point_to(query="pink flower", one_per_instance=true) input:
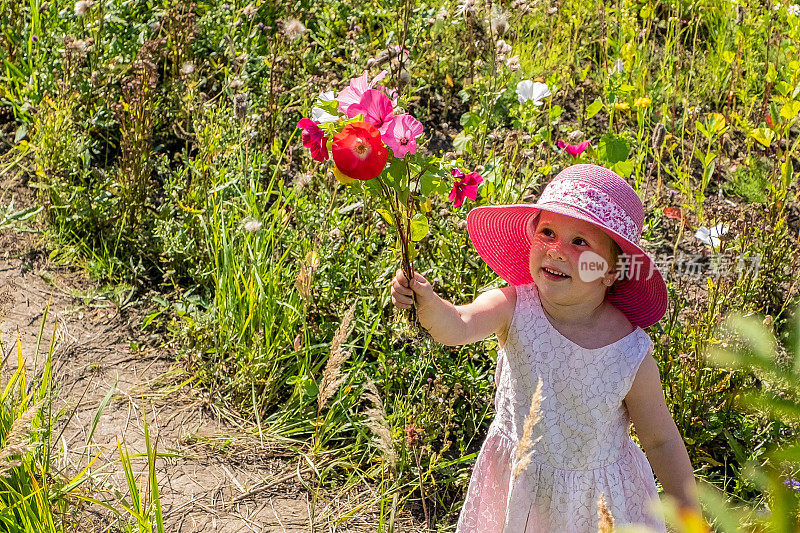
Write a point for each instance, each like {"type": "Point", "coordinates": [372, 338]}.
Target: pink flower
{"type": "Point", "coordinates": [376, 108]}
{"type": "Point", "coordinates": [466, 186]}
{"type": "Point", "coordinates": [314, 139]}
{"type": "Point", "coordinates": [401, 135]}
{"type": "Point", "coordinates": [358, 86]}
{"type": "Point", "coordinates": [572, 149]}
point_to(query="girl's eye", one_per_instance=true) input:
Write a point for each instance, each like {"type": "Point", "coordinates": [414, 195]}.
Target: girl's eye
{"type": "Point", "coordinates": [548, 232]}
{"type": "Point", "coordinates": [580, 242]}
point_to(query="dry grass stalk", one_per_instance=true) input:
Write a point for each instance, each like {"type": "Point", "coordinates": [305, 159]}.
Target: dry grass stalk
{"type": "Point", "coordinates": [606, 522]}
{"type": "Point", "coordinates": [17, 441]}
{"type": "Point", "coordinates": [376, 422]}
{"type": "Point", "coordinates": [332, 375]}
{"type": "Point", "coordinates": [527, 442]}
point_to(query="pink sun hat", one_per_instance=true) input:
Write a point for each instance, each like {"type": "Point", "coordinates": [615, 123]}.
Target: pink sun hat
{"type": "Point", "coordinates": [586, 192]}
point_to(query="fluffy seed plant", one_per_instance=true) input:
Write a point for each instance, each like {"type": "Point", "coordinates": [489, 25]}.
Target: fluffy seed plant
{"type": "Point", "coordinates": [605, 520]}
{"type": "Point", "coordinates": [332, 375]}
{"type": "Point", "coordinates": [525, 448]}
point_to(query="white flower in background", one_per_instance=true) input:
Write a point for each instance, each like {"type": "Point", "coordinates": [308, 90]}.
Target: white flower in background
{"type": "Point", "coordinates": [619, 67]}
{"type": "Point", "coordinates": [794, 9]}
{"type": "Point", "coordinates": [249, 11]}
{"type": "Point", "coordinates": [82, 7]}
{"type": "Point", "coordinates": [513, 63]}
{"type": "Point", "coordinates": [532, 91]}
{"type": "Point", "coordinates": [503, 48]}
{"type": "Point", "coordinates": [251, 225]}
{"type": "Point", "coordinates": [320, 115]}
{"type": "Point", "coordinates": [187, 68]}
{"type": "Point", "coordinates": [710, 237]}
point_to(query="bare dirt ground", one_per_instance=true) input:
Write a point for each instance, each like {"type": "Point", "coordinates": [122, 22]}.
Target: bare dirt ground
{"type": "Point", "coordinates": [219, 479]}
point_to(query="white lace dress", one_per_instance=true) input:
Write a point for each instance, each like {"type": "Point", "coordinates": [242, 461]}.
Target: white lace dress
{"type": "Point", "coordinates": [585, 447]}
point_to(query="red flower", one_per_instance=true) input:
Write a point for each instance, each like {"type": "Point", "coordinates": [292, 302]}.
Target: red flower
{"type": "Point", "coordinates": [466, 186]}
{"type": "Point", "coordinates": [574, 149]}
{"type": "Point", "coordinates": [314, 139]}
{"type": "Point", "coordinates": [358, 151]}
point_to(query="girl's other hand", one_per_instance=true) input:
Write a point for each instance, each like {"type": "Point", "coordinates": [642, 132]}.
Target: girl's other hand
{"type": "Point", "coordinates": [403, 292]}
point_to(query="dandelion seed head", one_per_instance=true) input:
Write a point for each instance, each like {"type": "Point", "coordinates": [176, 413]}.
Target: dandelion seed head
{"type": "Point", "coordinates": [293, 29]}
{"type": "Point", "coordinates": [252, 225]}
{"type": "Point", "coordinates": [187, 68]}
{"type": "Point", "coordinates": [250, 11]}
{"type": "Point", "coordinates": [499, 23]}
{"type": "Point", "coordinates": [82, 6]}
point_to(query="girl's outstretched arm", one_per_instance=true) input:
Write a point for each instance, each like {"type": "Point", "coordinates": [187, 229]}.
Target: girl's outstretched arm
{"type": "Point", "coordinates": [454, 325]}
{"type": "Point", "coordinates": [659, 435]}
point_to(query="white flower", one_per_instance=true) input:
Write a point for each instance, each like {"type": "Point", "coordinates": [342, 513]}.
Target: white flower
{"type": "Point", "coordinates": [794, 9]}
{"type": "Point", "coordinates": [320, 115]}
{"type": "Point", "coordinates": [710, 237]}
{"type": "Point", "coordinates": [513, 63]}
{"type": "Point", "coordinates": [532, 91]}
{"type": "Point", "coordinates": [619, 67]}
{"type": "Point", "coordinates": [252, 225]}
{"type": "Point", "coordinates": [187, 68]}
{"type": "Point", "coordinates": [327, 96]}
{"type": "Point", "coordinates": [249, 11]}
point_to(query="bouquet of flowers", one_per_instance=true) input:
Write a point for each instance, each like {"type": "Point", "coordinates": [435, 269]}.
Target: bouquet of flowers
{"type": "Point", "coordinates": [374, 145]}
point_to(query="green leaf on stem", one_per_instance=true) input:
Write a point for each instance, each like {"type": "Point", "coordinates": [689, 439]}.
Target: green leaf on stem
{"type": "Point", "coordinates": [764, 136]}
{"type": "Point", "coordinates": [463, 143]}
{"type": "Point", "coordinates": [623, 168]}
{"type": "Point", "coordinates": [419, 227]}
{"type": "Point", "coordinates": [432, 183]}
{"type": "Point", "coordinates": [387, 217]}
{"type": "Point", "coordinates": [787, 172]}
{"type": "Point", "coordinates": [593, 108]}
{"type": "Point", "coordinates": [613, 149]}
{"type": "Point", "coordinates": [790, 110]}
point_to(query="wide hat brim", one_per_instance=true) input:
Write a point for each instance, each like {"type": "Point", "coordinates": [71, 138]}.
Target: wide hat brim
{"type": "Point", "coordinates": [500, 236]}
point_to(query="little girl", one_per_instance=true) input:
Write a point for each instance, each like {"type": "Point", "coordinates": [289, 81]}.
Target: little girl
{"type": "Point", "coordinates": [571, 318]}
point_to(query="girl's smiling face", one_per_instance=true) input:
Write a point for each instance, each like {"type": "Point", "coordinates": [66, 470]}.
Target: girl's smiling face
{"type": "Point", "coordinates": [557, 242]}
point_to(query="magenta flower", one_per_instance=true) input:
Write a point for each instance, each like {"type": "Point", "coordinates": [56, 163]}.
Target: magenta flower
{"type": "Point", "coordinates": [314, 139]}
{"type": "Point", "coordinates": [358, 86]}
{"type": "Point", "coordinates": [466, 186]}
{"type": "Point", "coordinates": [376, 108]}
{"type": "Point", "coordinates": [401, 135]}
{"type": "Point", "coordinates": [573, 149]}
